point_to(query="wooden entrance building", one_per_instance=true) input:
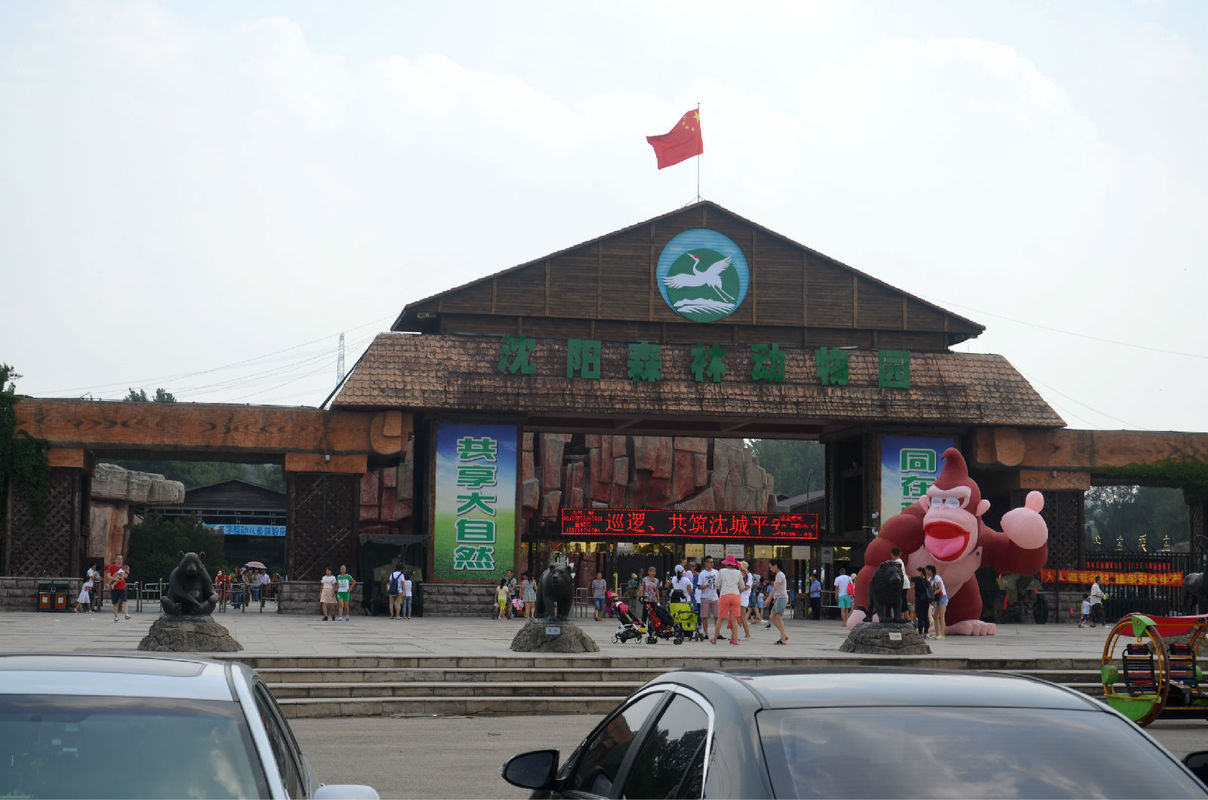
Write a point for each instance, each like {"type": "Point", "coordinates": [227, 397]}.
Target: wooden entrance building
{"type": "Point", "coordinates": [694, 325]}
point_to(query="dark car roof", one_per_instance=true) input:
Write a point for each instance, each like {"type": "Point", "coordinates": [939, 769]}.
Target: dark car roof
{"type": "Point", "coordinates": [848, 687]}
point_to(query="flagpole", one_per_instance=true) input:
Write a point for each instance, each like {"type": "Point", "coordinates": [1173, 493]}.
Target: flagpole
{"type": "Point", "coordinates": [698, 158]}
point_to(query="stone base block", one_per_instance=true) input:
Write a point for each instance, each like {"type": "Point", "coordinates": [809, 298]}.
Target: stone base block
{"type": "Point", "coordinates": [886, 639]}
{"type": "Point", "coordinates": [548, 636]}
{"type": "Point", "coordinates": [188, 635]}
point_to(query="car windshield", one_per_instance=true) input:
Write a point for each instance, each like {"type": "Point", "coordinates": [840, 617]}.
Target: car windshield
{"type": "Point", "coordinates": [118, 747]}
{"type": "Point", "coordinates": [885, 752]}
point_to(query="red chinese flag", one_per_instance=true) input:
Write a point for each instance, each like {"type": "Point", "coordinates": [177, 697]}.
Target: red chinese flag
{"type": "Point", "coordinates": [681, 143]}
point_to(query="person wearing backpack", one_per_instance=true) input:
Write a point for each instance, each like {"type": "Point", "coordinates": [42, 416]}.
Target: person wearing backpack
{"type": "Point", "coordinates": [394, 587]}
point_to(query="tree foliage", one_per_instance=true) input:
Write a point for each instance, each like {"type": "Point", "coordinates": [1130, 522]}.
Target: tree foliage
{"type": "Point", "coordinates": [23, 458]}
{"type": "Point", "coordinates": [1123, 514]}
{"type": "Point", "coordinates": [797, 466]}
{"type": "Point", "coordinates": [140, 396]}
{"type": "Point", "coordinates": [156, 544]}
{"type": "Point", "coordinates": [205, 473]}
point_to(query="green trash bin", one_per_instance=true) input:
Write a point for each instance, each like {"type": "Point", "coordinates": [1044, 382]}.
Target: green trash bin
{"type": "Point", "coordinates": [46, 597]}
{"type": "Point", "coordinates": [60, 595]}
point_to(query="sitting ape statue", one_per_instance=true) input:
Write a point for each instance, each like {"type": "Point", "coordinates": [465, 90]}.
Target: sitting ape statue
{"type": "Point", "coordinates": [555, 592]}
{"type": "Point", "coordinates": [190, 590]}
{"type": "Point", "coordinates": [885, 592]}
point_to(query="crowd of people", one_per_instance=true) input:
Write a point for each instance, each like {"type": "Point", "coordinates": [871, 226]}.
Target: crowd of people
{"type": "Point", "coordinates": [245, 586]}
{"type": "Point", "coordinates": [725, 594]}
{"type": "Point", "coordinates": [92, 592]}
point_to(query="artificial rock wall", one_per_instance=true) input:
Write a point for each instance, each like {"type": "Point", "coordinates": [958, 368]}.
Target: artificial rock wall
{"type": "Point", "coordinates": [114, 493]}
{"type": "Point", "coordinates": [560, 470]}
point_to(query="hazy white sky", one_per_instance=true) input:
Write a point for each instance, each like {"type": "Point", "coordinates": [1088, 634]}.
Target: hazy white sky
{"type": "Point", "coordinates": [201, 196]}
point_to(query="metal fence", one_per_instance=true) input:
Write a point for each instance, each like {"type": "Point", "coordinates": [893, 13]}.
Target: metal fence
{"type": "Point", "coordinates": [1121, 599]}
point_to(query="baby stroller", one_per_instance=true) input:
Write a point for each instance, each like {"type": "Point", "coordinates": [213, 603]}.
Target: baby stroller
{"type": "Point", "coordinates": [683, 616]}
{"type": "Point", "coordinates": [628, 627]}
{"type": "Point", "coordinates": [660, 625]}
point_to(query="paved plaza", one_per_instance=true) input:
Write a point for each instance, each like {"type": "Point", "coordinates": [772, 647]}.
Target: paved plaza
{"type": "Point", "coordinates": [270, 634]}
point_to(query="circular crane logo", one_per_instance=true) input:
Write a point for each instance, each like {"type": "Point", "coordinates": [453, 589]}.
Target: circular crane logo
{"type": "Point", "coordinates": [702, 275]}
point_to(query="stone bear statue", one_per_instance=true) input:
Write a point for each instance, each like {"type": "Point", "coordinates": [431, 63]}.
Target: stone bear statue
{"type": "Point", "coordinates": [885, 592]}
{"type": "Point", "coordinates": [190, 590]}
{"type": "Point", "coordinates": [555, 592]}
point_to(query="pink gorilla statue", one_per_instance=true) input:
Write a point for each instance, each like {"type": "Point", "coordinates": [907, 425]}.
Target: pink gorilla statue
{"type": "Point", "coordinates": [945, 528]}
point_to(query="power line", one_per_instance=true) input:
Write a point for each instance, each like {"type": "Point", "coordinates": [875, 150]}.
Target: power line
{"type": "Point", "coordinates": [166, 380]}
{"type": "Point", "coordinates": [1125, 423]}
{"type": "Point", "coordinates": [1088, 336]}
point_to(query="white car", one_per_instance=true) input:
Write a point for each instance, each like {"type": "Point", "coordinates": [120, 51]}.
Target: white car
{"type": "Point", "coordinates": [115, 726]}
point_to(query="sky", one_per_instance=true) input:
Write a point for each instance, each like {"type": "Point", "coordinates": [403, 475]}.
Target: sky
{"type": "Point", "coordinates": [202, 197]}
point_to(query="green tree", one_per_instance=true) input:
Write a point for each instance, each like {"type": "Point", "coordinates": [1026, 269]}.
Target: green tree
{"type": "Point", "coordinates": [8, 379]}
{"type": "Point", "coordinates": [797, 466]}
{"type": "Point", "coordinates": [140, 396]}
{"type": "Point", "coordinates": [156, 544]}
{"type": "Point", "coordinates": [204, 473]}
{"type": "Point", "coordinates": [1130, 512]}
{"type": "Point", "coordinates": [23, 458]}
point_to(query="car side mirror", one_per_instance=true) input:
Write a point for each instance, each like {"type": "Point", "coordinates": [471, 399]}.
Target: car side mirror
{"type": "Point", "coordinates": [533, 770]}
{"type": "Point", "coordinates": [1197, 762]}
{"type": "Point", "coordinates": [345, 791]}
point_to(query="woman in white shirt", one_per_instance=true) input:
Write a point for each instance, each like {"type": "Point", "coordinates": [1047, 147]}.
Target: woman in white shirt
{"type": "Point", "coordinates": [744, 598]}
{"type": "Point", "coordinates": [729, 589]}
{"type": "Point", "coordinates": [327, 595]}
{"type": "Point", "coordinates": [941, 600]}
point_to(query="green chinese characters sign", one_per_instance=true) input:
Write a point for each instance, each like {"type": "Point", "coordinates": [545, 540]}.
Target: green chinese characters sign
{"type": "Point", "coordinates": [474, 534]}
{"type": "Point", "coordinates": [711, 362]}
{"type": "Point", "coordinates": [909, 464]}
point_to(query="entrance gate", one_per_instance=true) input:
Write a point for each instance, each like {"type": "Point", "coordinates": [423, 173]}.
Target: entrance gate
{"type": "Point", "coordinates": [697, 323]}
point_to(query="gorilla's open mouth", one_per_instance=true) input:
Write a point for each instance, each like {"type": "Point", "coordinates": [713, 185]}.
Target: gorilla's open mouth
{"type": "Point", "coordinates": [945, 540]}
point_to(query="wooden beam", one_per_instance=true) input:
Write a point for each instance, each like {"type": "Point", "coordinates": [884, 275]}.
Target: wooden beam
{"type": "Point", "coordinates": [1054, 480]}
{"type": "Point", "coordinates": [1083, 450]}
{"type": "Point", "coordinates": [76, 457]}
{"type": "Point", "coordinates": [316, 462]}
{"type": "Point", "coordinates": [211, 428]}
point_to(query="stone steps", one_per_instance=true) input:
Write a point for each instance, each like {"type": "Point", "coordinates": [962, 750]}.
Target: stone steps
{"type": "Point", "coordinates": [501, 705]}
{"type": "Point", "coordinates": [289, 677]}
{"type": "Point", "coordinates": [420, 689]}
{"type": "Point", "coordinates": [652, 658]}
{"type": "Point", "coordinates": [334, 686]}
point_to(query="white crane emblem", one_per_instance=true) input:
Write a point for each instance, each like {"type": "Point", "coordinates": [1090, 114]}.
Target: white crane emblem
{"type": "Point", "coordinates": [709, 276]}
{"type": "Point", "coordinates": [702, 275]}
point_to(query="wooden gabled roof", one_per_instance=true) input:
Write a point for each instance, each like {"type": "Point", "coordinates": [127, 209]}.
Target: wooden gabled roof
{"type": "Point", "coordinates": [460, 374]}
{"type": "Point", "coordinates": [606, 289]}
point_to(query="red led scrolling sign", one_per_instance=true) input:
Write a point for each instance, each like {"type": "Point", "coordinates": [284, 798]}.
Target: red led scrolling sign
{"type": "Point", "coordinates": [732, 526]}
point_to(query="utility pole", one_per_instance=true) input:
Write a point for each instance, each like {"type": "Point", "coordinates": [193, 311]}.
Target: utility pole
{"type": "Point", "coordinates": [340, 362]}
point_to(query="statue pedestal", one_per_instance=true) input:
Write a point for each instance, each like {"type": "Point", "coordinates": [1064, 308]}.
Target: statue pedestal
{"type": "Point", "coordinates": [885, 639]}
{"type": "Point", "coordinates": [553, 636]}
{"type": "Point", "coordinates": [189, 635]}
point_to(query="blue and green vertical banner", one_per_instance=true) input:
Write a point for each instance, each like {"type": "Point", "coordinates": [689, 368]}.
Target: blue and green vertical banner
{"type": "Point", "coordinates": [474, 537]}
{"type": "Point", "coordinates": [909, 464]}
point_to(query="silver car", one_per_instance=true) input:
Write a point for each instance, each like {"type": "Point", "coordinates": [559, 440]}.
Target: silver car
{"type": "Point", "coordinates": [113, 726]}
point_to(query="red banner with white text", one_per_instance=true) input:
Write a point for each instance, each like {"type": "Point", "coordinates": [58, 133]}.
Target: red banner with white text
{"type": "Point", "coordinates": [1087, 577]}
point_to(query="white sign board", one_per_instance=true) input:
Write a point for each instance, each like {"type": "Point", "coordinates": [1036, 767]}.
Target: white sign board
{"type": "Point", "coordinates": [715, 550]}
{"type": "Point", "coordinates": [828, 555]}
{"type": "Point", "coordinates": [736, 550]}
{"type": "Point", "coordinates": [801, 552]}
